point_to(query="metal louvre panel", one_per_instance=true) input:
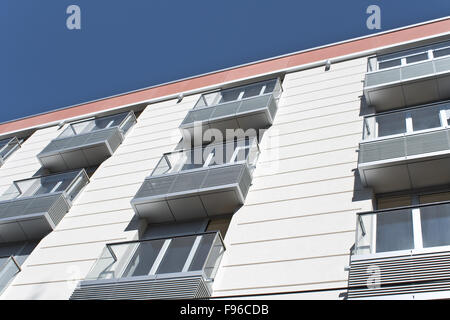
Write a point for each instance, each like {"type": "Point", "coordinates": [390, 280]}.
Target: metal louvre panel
{"type": "Point", "coordinates": [54, 145]}
{"type": "Point", "coordinates": [382, 150]}
{"type": "Point", "coordinates": [231, 109]}
{"type": "Point", "coordinates": [114, 140]}
{"type": "Point", "coordinates": [442, 65]}
{"type": "Point", "coordinates": [188, 181]}
{"type": "Point", "coordinates": [176, 288]}
{"type": "Point", "coordinates": [70, 142]}
{"type": "Point", "coordinates": [27, 206]}
{"type": "Point", "coordinates": [194, 115]}
{"type": "Point", "coordinates": [223, 176]}
{"type": "Point", "coordinates": [155, 186]}
{"type": "Point", "coordinates": [408, 274]}
{"type": "Point", "coordinates": [79, 141]}
{"type": "Point", "coordinates": [417, 70]}
{"type": "Point", "coordinates": [58, 210]}
{"type": "Point", "coordinates": [381, 77]}
{"type": "Point", "coordinates": [427, 142]}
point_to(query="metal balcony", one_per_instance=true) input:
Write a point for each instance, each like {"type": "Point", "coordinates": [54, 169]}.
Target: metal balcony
{"type": "Point", "coordinates": [408, 78]}
{"type": "Point", "coordinates": [200, 182]}
{"type": "Point", "coordinates": [86, 143]}
{"type": "Point", "coordinates": [7, 147]}
{"type": "Point", "coordinates": [406, 149]}
{"type": "Point", "coordinates": [402, 253]}
{"type": "Point", "coordinates": [181, 267]}
{"type": "Point", "coordinates": [31, 208]}
{"type": "Point", "coordinates": [247, 107]}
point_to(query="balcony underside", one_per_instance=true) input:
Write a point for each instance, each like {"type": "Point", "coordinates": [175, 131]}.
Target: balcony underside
{"type": "Point", "coordinates": [408, 85]}
{"type": "Point", "coordinates": [80, 151]}
{"type": "Point", "coordinates": [408, 162]}
{"type": "Point", "coordinates": [256, 113]}
{"type": "Point", "coordinates": [32, 218]}
{"type": "Point", "coordinates": [191, 195]}
{"type": "Point", "coordinates": [406, 174]}
{"type": "Point", "coordinates": [402, 277]}
{"type": "Point", "coordinates": [143, 288]}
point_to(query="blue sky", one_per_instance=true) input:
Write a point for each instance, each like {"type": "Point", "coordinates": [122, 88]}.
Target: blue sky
{"type": "Point", "coordinates": [127, 45]}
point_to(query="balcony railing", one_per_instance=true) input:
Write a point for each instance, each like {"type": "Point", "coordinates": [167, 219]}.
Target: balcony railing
{"type": "Point", "coordinates": [406, 149]}
{"type": "Point", "coordinates": [246, 107]}
{"type": "Point", "coordinates": [181, 267]}
{"type": "Point", "coordinates": [402, 251]}
{"type": "Point", "coordinates": [31, 208]}
{"type": "Point", "coordinates": [410, 77]}
{"type": "Point", "coordinates": [7, 147]}
{"type": "Point", "coordinates": [411, 228]}
{"type": "Point", "coordinates": [9, 267]}
{"type": "Point", "coordinates": [86, 143]}
{"type": "Point", "coordinates": [200, 182]}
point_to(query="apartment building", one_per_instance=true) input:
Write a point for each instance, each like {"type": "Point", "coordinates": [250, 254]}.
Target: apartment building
{"type": "Point", "coordinates": [322, 174]}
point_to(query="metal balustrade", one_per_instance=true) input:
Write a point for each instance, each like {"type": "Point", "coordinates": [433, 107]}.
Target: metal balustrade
{"type": "Point", "coordinates": [86, 143]}
{"type": "Point", "coordinates": [180, 267]}
{"type": "Point", "coordinates": [409, 77]}
{"type": "Point", "coordinates": [406, 149]}
{"type": "Point", "coordinates": [31, 208]}
{"type": "Point", "coordinates": [401, 251]}
{"type": "Point", "coordinates": [246, 107]}
{"type": "Point", "coordinates": [199, 182]}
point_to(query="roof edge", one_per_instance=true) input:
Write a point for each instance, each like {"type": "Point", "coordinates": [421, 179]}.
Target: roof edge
{"type": "Point", "coordinates": [5, 124]}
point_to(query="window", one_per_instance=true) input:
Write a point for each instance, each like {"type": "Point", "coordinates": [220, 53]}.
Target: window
{"type": "Point", "coordinates": [394, 231]}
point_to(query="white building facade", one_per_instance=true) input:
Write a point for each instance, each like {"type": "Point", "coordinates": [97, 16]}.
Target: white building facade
{"type": "Point", "coordinates": [341, 191]}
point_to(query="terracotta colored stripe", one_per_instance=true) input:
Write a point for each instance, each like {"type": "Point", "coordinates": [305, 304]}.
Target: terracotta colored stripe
{"type": "Point", "coordinates": [275, 64]}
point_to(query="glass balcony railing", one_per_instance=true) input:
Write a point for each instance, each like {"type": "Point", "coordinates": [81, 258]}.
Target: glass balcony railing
{"type": "Point", "coordinates": [412, 229]}
{"type": "Point", "coordinates": [409, 77]}
{"type": "Point", "coordinates": [150, 263]}
{"type": "Point", "coordinates": [246, 107]}
{"type": "Point", "coordinates": [7, 147]}
{"type": "Point", "coordinates": [202, 181]}
{"type": "Point", "coordinates": [86, 143]}
{"type": "Point", "coordinates": [45, 198]}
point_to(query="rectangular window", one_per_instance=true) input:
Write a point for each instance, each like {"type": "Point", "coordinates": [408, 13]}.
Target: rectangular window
{"type": "Point", "coordinates": [390, 124]}
{"type": "Point", "coordinates": [442, 52]}
{"type": "Point", "coordinates": [394, 231]}
{"type": "Point", "coordinates": [417, 57]}
{"type": "Point", "coordinates": [389, 64]}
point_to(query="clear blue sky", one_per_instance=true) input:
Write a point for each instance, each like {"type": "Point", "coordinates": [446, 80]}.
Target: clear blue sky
{"type": "Point", "coordinates": [132, 44]}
